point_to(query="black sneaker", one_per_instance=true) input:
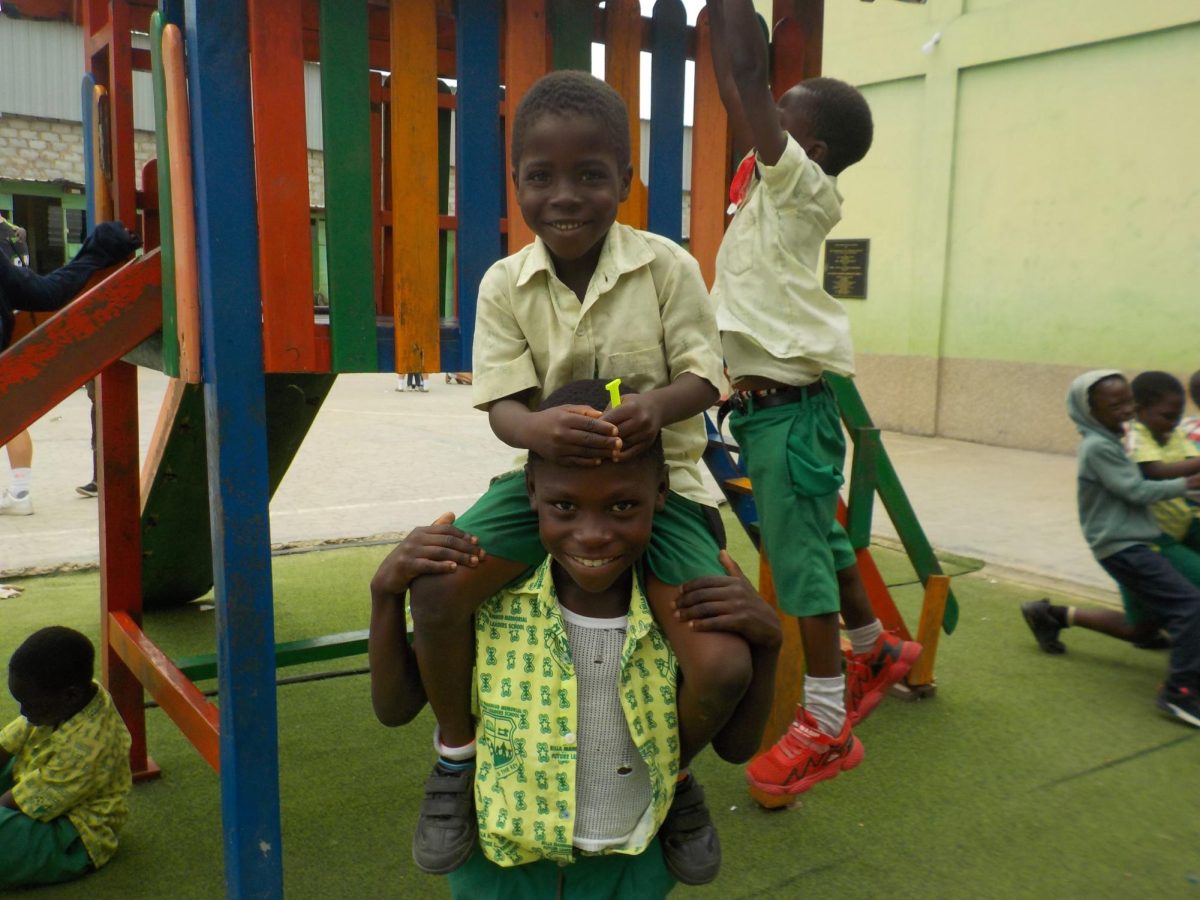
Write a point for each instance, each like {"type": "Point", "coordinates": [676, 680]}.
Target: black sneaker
{"type": "Point", "coordinates": [87, 490]}
{"type": "Point", "coordinates": [1182, 703]}
{"type": "Point", "coordinates": [1044, 625]}
{"type": "Point", "coordinates": [447, 829]}
{"type": "Point", "coordinates": [690, 845]}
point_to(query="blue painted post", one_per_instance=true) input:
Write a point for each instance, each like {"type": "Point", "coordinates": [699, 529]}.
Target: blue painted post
{"type": "Point", "coordinates": [667, 62]}
{"type": "Point", "coordinates": [480, 161]}
{"type": "Point", "coordinates": [231, 342]}
{"type": "Point", "coordinates": [87, 86]}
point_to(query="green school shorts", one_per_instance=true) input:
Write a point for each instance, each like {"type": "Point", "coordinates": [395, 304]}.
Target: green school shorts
{"type": "Point", "coordinates": [794, 454]}
{"type": "Point", "coordinates": [613, 875]}
{"type": "Point", "coordinates": [1183, 555]}
{"type": "Point", "coordinates": [33, 852]}
{"type": "Point", "coordinates": [684, 544]}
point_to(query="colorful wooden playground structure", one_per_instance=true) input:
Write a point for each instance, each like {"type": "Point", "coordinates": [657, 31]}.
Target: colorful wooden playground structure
{"type": "Point", "coordinates": [222, 301]}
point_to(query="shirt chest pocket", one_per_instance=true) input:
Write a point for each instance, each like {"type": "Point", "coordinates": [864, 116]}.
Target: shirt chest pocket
{"type": "Point", "coordinates": [737, 252]}
{"type": "Point", "coordinates": [643, 370]}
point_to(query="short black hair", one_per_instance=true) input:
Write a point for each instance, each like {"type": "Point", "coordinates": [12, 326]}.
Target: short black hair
{"type": "Point", "coordinates": [54, 659]}
{"type": "Point", "coordinates": [593, 392]}
{"type": "Point", "coordinates": [567, 93]}
{"type": "Point", "coordinates": [1150, 387]}
{"type": "Point", "coordinates": [842, 119]}
{"type": "Point", "coordinates": [1091, 391]}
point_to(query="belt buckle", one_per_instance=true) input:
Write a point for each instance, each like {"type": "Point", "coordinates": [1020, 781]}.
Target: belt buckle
{"type": "Point", "coordinates": [739, 400]}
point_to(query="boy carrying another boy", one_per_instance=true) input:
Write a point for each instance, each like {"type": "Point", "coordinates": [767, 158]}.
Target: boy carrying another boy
{"type": "Point", "coordinates": [579, 736]}
{"type": "Point", "coordinates": [1114, 510]}
{"type": "Point", "coordinates": [781, 332]}
{"type": "Point", "coordinates": [64, 764]}
{"type": "Point", "coordinates": [590, 298]}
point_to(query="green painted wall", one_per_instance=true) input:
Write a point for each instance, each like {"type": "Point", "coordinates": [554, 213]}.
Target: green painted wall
{"type": "Point", "coordinates": [1033, 195]}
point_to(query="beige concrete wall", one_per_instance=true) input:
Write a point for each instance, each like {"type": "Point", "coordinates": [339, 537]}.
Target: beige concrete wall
{"type": "Point", "coordinates": [52, 150]}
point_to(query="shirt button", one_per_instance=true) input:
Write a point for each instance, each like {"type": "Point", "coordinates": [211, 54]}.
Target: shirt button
{"type": "Point", "coordinates": [569, 737]}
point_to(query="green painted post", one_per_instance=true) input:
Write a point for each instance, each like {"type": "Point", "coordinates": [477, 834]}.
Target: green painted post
{"type": "Point", "coordinates": [862, 487]}
{"type": "Point", "coordinates": [571, 33]}
{"type": "Point", "coordinates": [345, 109]}
{"type": "Point", "coordinates": [895, 501]}
{"type": "Point", "coordinates": [166, 228]}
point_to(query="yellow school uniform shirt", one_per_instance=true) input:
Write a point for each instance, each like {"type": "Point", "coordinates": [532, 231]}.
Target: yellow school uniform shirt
{"type": "Point", "coordinates": [774, 316]}
{"type": "Point", "coordinates": [1175, 516]}
{"type": "Point", "coordinates": [79, 770]}
{"type": "Point", "coordinates": [646, 319]}
{"type": "Point", "coordinates": [525, 693]}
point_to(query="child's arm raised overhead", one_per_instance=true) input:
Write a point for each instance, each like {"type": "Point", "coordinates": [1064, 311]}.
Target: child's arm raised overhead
{"type": "Point", "coordinates": [397, 694]}
{"type": "Point", "coordinates": [739, 128]}
{"type": "Point", "coordinates": [737, 35]}
{"type": "Point", "coordinates": [730, 603]}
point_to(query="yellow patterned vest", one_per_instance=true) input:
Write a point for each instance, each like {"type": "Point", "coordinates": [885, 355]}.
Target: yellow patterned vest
{"type": "Point", "coordinates": [525, 694]}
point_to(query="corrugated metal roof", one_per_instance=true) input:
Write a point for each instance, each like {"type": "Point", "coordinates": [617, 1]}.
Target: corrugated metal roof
{"type": "Point", "coordinates": [42, 68]}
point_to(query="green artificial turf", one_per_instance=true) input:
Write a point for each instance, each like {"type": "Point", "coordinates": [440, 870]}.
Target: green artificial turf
{"type": "Point", "coordinates": [1027, 776]}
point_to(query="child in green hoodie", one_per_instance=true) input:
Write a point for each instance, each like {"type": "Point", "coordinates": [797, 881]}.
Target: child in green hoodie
{"type": "Point", "coordinates": [1119, 526]}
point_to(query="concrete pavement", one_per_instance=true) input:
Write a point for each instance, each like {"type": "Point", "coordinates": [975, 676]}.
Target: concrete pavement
{"type": "Point", "coordinates": [378, 461]}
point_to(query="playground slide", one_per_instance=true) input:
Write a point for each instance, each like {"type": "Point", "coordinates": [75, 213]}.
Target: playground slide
{"type": "Point", "coordinates": [176, 543]}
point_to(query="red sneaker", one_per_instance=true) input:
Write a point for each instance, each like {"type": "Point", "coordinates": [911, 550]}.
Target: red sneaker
{"type": "Point", "coordinates": [869, 676]}
{"type": "Point", "coordinates": [804, 756]}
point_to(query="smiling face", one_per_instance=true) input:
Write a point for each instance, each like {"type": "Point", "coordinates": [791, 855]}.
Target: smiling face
{"type": "Point", "coordinates": [1111, 402]}
{"type": "Point", "coordinates": [1162, 416]}
{"type": "Point", "coordinates": [569, 185]}
{"type": "Point", "coordinates": [596, 523]}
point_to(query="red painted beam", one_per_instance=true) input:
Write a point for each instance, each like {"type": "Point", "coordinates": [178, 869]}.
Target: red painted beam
{"type": "Point", "coordinates": [80, 340]}
{"type": "Point", "coordinates": [198, 719]}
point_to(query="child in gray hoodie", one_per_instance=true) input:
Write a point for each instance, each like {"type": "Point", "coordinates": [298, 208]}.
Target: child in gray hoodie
{"type": "Point", "coordinates": [1114, 511]}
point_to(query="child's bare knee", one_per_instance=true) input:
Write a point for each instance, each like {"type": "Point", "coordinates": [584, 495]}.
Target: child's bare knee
{"type": "Point", "coordinates": [719, 671]}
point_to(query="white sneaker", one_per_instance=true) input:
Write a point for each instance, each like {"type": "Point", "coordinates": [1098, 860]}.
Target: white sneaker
{"type": "Point", "coordinates": [16, 506]}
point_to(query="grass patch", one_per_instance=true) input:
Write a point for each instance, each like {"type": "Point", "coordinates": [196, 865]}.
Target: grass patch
{"type": "Point", "coordinates": [1028, 775]}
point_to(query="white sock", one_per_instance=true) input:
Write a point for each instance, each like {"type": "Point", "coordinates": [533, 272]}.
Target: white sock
{"type": "Point", "coordinates": [825, 699]}
{"type": "Point", "coordinates": [22, 482]}
{"type": "Point", "coordinates": [862, 640]}
{"type": "Point", "coordinates": [454, 754]}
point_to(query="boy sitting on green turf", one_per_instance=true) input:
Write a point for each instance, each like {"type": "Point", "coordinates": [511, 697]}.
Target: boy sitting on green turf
{"type": "Point", "coordinates": [575, 682]}
{"type": "Point", "coordinates": [64, 764]}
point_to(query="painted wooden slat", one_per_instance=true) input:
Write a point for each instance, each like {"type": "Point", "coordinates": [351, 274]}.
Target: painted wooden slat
{"type": "Point", "coordinates": [120, 540]}
{"type": "Point", "coordinates": [380, 156]}
{"type": "Point", "coordinates": [667, 68]}
{"type": "Point", "coordinates": [445, 282]}
{"type": "Point", "coordinates": [789, 669]}
{"type": "Point", "coordinates": [120, 97]}
{"type": "Point", "coordinates": [170, 339]}
{"type": "Point", "coordinates": [183, 210]}
{"type": "Point", "coordinates": [622, 69]}
{"type": "Point", "coordinates": [571, 33]}
{"type": "Point", "coordinates": [103, 204]}
{"type": "Point", "coordinates": [231, 314]}
{"type": "Point", "coordinates": [524, 64]}
{"type": "Point", "coordinates": [479, 166]}
{"type": "Point", "coordinates": [810, 14]}
{"type": "Point", "coordinates": [88, 120]}
{"type": "Point", "coordinates": [167, 412]}
{"type": "Point", "coordinates": [196, 717]}
{"type": "Point", "coordinates": [415, 278]}
{"type": "Point", "coordinates": [937, 591]}
{"type": "Point", "coordinates": [281, 178]}
{"type": "Point", "coordinates": [862, 487]}
{"type": "Point", "coordinates": [710, 158]}
{"type": "Point", "coordinates": [72, 346]}
{"type": "Point", "coordinates": [877, 590]}
{"type": "Point", "coordinates": [789, 46]}
{"type": "Point", "coordinates": [345, 109]}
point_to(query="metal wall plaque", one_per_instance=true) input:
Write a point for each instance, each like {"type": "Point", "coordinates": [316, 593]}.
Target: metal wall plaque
{"type": "Point", "coordinates": [846, 268]}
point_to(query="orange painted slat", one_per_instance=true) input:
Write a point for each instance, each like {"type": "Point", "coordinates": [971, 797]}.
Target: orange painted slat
{"type": "Point", "coordinates": [525, 63]}
{"type": "Point", "coordinates": [414, 168]}
{"type": "Point", "coordinates": [710, 158]}
{"type": "Point", "coordinates": [787, 59]}
{"type": "Point", "coordinates": [789, 671]}
{"type": "Point", "coordinates": [876, 588]}
{"type": "Point", "coordinates": [188, 708]}
{"type": "Point", "coordinates": [281, 181]}
{"type": "Point", "coordinates": [937, 589]}
{"type": "Point", "coordinates": [162, 431]}
{"type": "Point", "coordinates": [622, 69]}
{"type": "Point", "coordinates": [100, 166]}
{"type": "Point", "coordinates": [183, 218]}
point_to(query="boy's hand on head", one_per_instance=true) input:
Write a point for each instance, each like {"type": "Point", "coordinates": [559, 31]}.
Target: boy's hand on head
{"type": "Point", "coordinates": [638, 421]}
{"type": "Point", "coordinates": [573, 436]}
{"type": "Point", "coordinates": [729, 603]}
{"type": "Point", "coordinates": [429, 550]}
